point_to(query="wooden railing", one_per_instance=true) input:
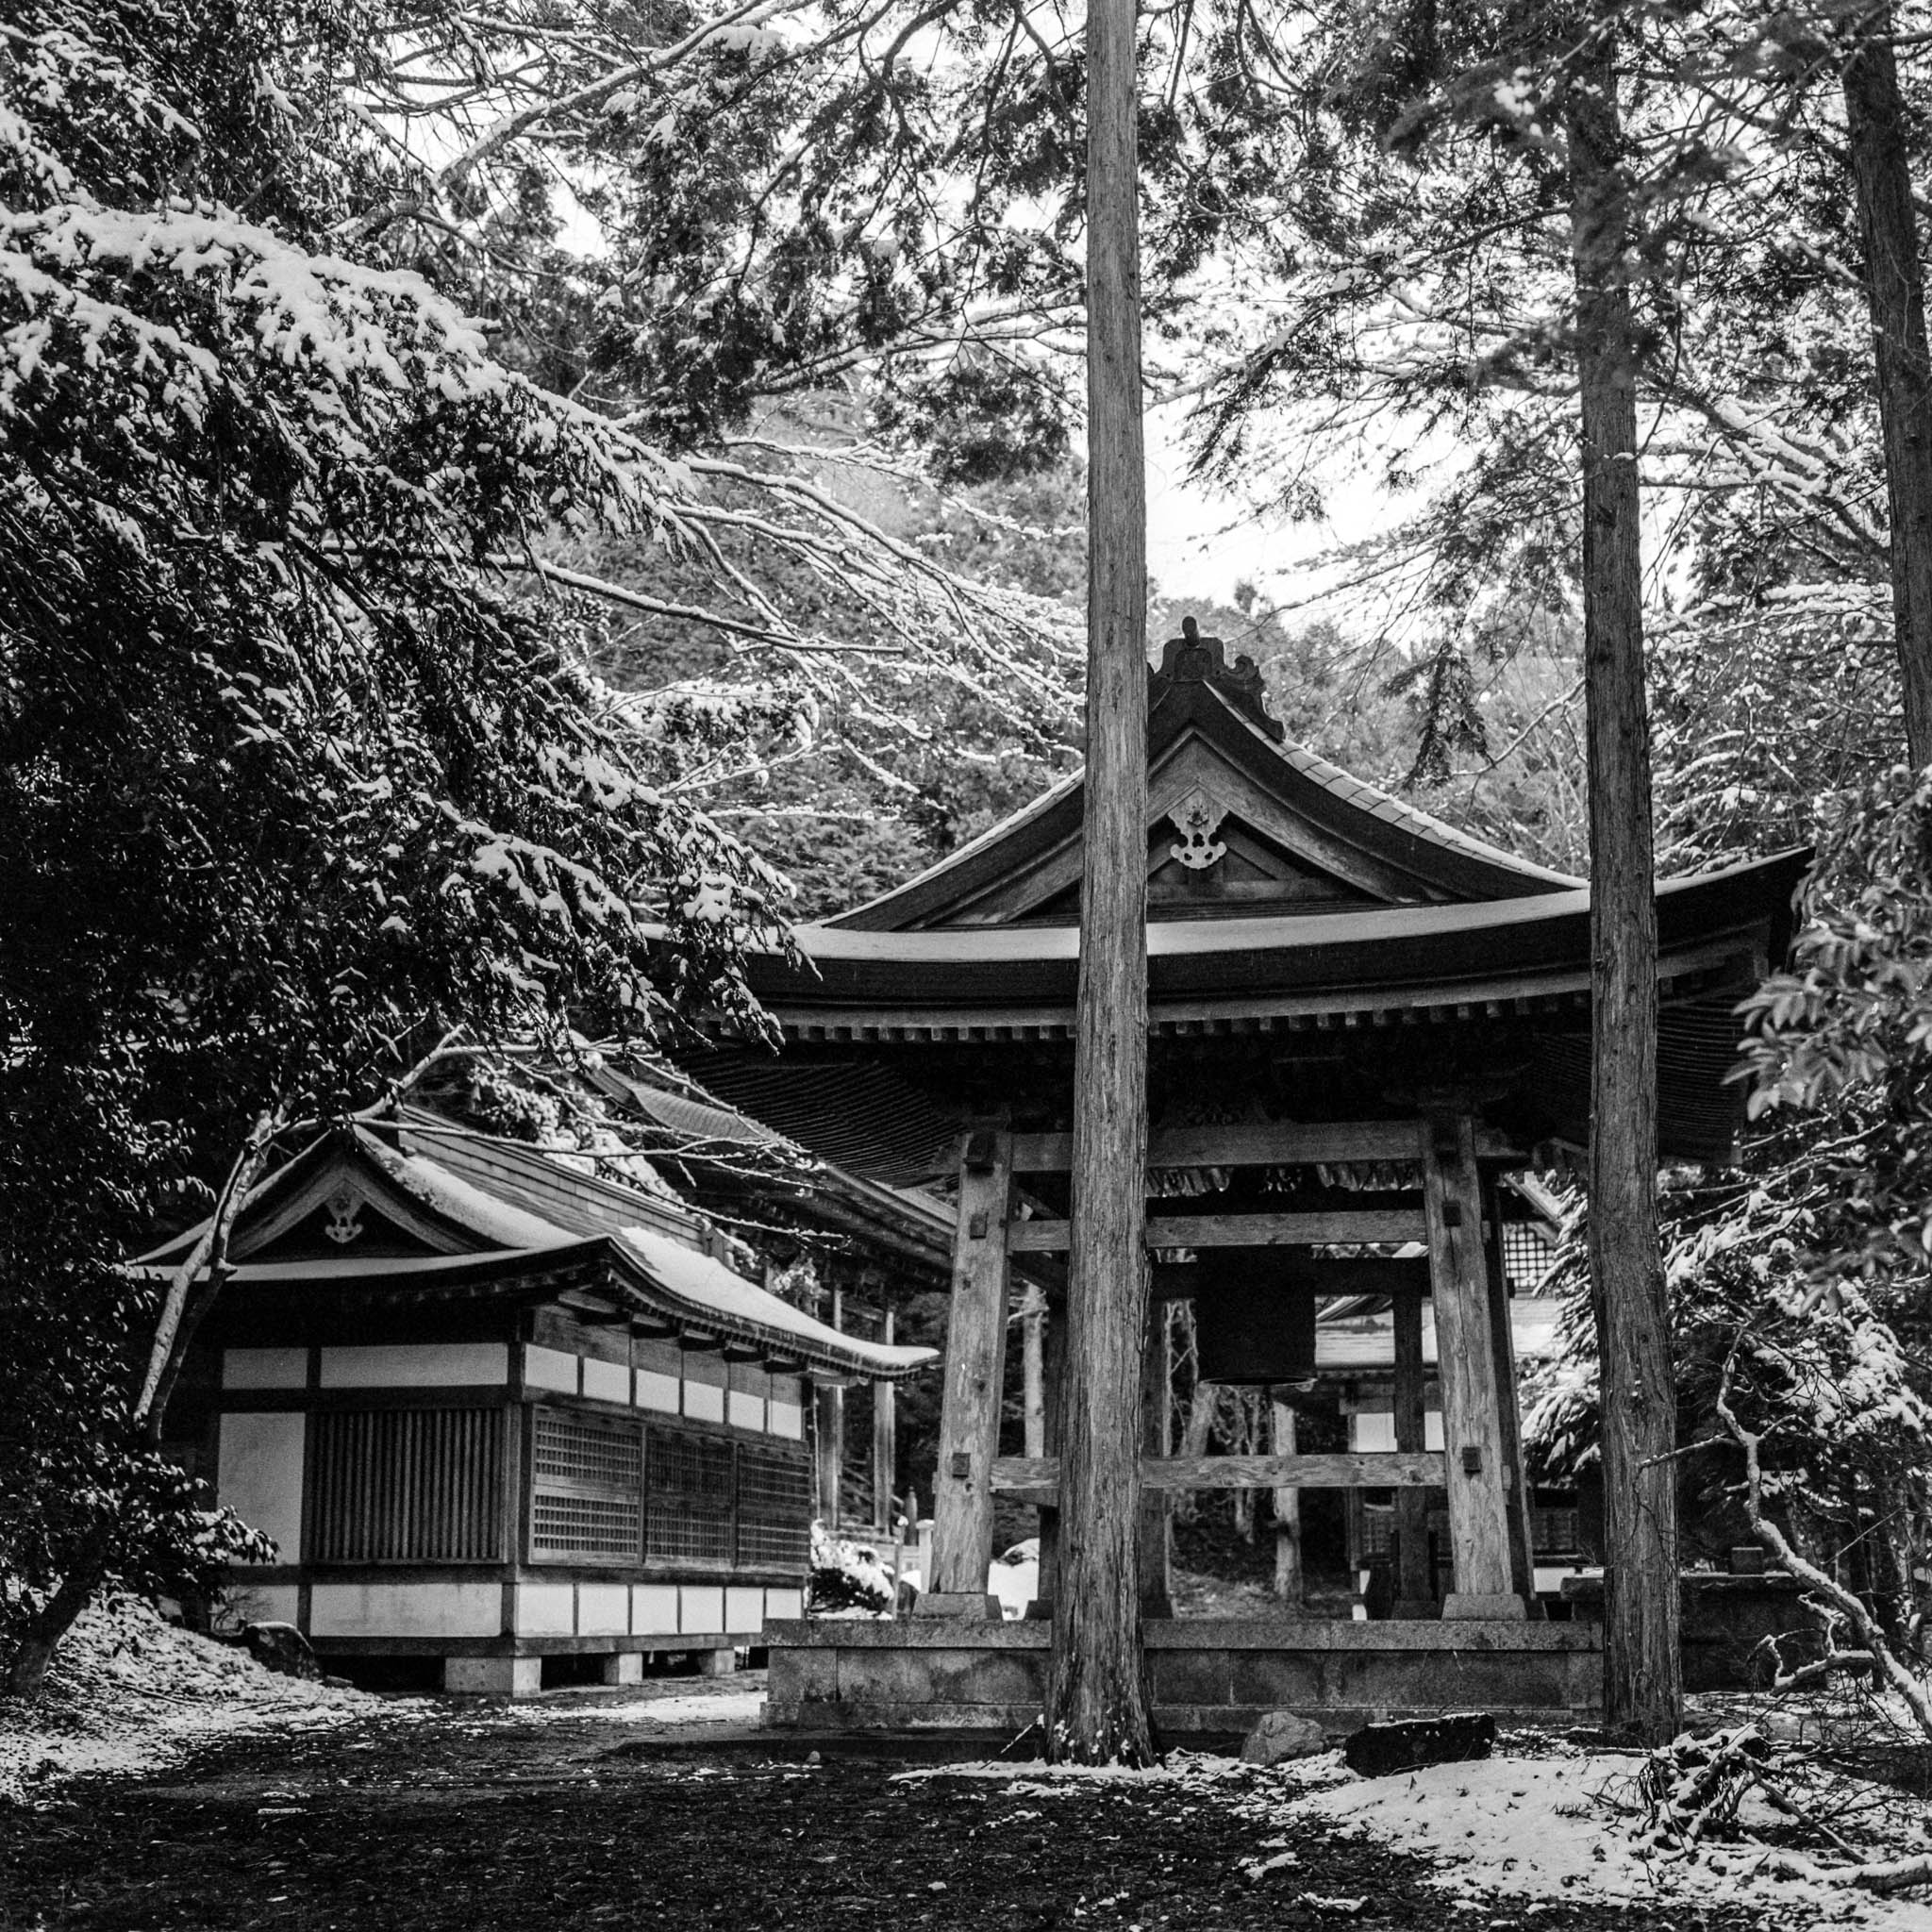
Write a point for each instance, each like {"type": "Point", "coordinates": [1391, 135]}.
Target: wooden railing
{"type": "Point", "coordinates": [1036, 1478]}
{"type": "Point", "coordinates": [1166, 1231]}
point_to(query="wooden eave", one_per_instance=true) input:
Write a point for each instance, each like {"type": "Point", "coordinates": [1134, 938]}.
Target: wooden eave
{"type": "Point", "coordinates": [652, 1274]}
{"type": "Point", "coordinates": [1519, 956]}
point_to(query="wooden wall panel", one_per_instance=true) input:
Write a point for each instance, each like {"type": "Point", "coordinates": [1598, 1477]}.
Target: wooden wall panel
{"type": "Point", "coordinates": [405, 1486]}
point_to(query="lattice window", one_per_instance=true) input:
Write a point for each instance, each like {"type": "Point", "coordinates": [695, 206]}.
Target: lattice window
{"type": "Point", "coordinates": [1379, 1532]}
{"type": "Point", "coordinates": [586, 1489]}
{"type": "Point", "coordinates": [689, 1514]}
{"type": "Point", "coordinates": [774, 1509]}
{"type": "Point", "coordinates": [405, 1486]}
{"type": "Point", "coordinates": [1553, 1530]}
{"type": "Point", "coordinates": [1526, 1254]}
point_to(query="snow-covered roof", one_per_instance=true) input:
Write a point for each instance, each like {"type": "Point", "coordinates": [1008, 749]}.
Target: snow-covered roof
{"type": "Point", "coordinates": [710, 1291]}
{"type": "Point", "coordinates": [516, 1213]}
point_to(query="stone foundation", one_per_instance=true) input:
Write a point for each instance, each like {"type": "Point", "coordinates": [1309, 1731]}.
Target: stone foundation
{"type": "Point", "coordinates": [1212, 1677]}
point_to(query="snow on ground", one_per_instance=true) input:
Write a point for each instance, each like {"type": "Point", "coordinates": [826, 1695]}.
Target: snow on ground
{"type": "Point", "coordinates": [130, 1695]}
{"type": "Point", "coordinates": [1566, 1827]}
{"type": "Point", "coordinates": [736, 1706]}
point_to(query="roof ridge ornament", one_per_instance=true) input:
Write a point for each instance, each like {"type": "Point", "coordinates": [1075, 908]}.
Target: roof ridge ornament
{"type": "Point", "coordinates": [1191, 659]}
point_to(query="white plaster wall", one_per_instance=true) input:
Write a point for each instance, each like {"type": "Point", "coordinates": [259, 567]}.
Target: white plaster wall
{"type": "Point", "coordinates": [745, 1411]}
{"type": "Point", "coordinates": [657, 1390]}
{"type": "Point", "coordinates": [264, 1368]}
{"type": "Point", "coordinates": [745, 1608]}
{"type": "Point", "coordinates": [258, 1475]}
{"type": "Point", "coordinates": [700, 1608]}
{"type": "Point", "coordinates": [416, 1365]}
{"type": "Point", "coordinates": [1371, 1433]}
{"type": "Point", "coordinates": [784, 1603]}
{"type": "Point", "coordinates": [550, 1368]}
{"type": "Point", "coordinates": [406, 1609]}
{"type": "Point", "coordinates": [263, 1602]}
{"type": "Point", "coordinates": [607, 1381]}
{"type": "Point", "coordinates": [654, 1610]}
{"type": "Point", "coordinates": [703, 1401]}
{"type": "Point", "coordinates": [785, 1413]}
{"type": "Point", "coordinates": [546, 1610]}
{"type": "Point", "coordinates": [603, 1609]}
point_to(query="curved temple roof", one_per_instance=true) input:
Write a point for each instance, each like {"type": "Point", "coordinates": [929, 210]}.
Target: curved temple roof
{"type": "Point", "coordinates": [484, 1216]}
{"type": "Point", "coordinates": [1303, 835]}
{"type": "Point", "coordinates": [1284, 896]}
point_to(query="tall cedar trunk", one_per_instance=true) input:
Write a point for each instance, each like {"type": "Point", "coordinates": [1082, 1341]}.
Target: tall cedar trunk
{"type": "Point", "coordinates": [1642, 1680]}
{"type": "Point", "coordinates": [1895, 295]}
{"type": "Point", "coordinates": [1096, 1702]}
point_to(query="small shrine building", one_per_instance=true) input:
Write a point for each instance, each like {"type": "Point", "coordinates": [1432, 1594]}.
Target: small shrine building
{"type": "Point", "coordinates": [505, 1418]}
{"type": "Point", "coordinates": [1359, 1021]}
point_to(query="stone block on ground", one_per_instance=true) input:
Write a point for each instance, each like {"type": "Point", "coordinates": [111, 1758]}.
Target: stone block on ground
{"type": "Point", "coordinates": [1279, 1735]}
{"type": "Point", "coordinates": [282, 1648]}
{"type": "Point", "coordinates": [1376, 1750]}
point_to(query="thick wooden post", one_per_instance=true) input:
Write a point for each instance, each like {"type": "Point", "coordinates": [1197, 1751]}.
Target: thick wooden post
{"type": "Point", "coordinates": [1033, 1370]}
{"type": "Point", "coordinates": [1288, 1519]}
{"type": "Point", "coordinates": [1474, 1464]}
{"type": "Point", "coordinates": [885, 1440]}
{"type": "Point", "coordinates": [1096, 1701]}
{"type": "Point", "coordinates": [970, 1405]}
{"type": "Point", "coordinates": [1415, 1589]}
{"type": "Point", "coordinates": [1503, 1340]}
{"type": "Point", "coordinates": [1052, 1378]}
{"type": "Point", "coordinates": [1157, 1540]}
{"type": "Point", "coordinates": [828, 1420]}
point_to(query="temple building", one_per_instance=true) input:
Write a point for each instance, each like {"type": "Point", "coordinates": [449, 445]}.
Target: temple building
{"type": "Point", "coordinates": [1362, 1021]}
{"type": "Point", "coordinates": [508, 1416]}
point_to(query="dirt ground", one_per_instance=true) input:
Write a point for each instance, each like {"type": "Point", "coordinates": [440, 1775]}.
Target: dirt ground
{"type": "Point", "coordinates": [390, 1817]}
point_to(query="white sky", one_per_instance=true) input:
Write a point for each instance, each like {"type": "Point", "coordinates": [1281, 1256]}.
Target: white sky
{"type": "Point", "coordinates": [1200, 544]}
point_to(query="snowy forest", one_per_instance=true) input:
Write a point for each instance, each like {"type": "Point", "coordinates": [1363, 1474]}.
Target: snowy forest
{"type": "Point", "coordinates": [504, 508]}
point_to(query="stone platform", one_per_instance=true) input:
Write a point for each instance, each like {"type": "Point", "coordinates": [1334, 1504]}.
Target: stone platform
{"type": "Point", "coordinates": [1212, 1677]}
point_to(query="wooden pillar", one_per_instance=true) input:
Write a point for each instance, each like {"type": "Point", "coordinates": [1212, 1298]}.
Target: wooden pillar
{"type": "Point", "coordinates": [1474, 1461]}
{"type": "Point", "coordinates": [1157, 1540]}
{"type": "Point", "coordinates": [1033, 1369]}
{"type": "Point", "coordinates": [1415, 1589]}
{"type": "Point", "coordinates": [885, 1440]}
{"type": "Point", "coordinates": [828, 1419]}
{"type": "Point", "coordinates": [1288, 1518]}
{"type": "Point", "coordinates": [1052, 1369]}
{"type": "Point", "coordinates": [1503, 1340]}
{"type": "Point", "coordinates": [970, 1406]}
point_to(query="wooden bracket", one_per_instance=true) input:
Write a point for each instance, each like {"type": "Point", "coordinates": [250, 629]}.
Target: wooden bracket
{"type": "Point", "coordinates": [982, 1151]}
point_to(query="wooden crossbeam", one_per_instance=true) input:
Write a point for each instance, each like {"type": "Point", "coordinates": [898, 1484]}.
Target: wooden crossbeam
{"type": "Point", "coordinates": [1243, 1231]}
{"type": "Point", "coordinates": [1036, 1478]}
{"type": "Point", "coordinates": [1261, 1144]}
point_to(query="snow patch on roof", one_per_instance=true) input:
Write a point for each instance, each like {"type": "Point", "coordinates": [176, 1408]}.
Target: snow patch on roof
{"type": "Point", "coordinates": [500, 1224]}
{"type": "Point", "coordinates": [701, 1285]}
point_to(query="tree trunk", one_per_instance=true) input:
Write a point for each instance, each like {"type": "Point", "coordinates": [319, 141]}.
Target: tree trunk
{"type": "Point", "coordinates": [1642, 1682]}
{"type": "Point", "coordinates": [186, 1303]}
{"type": "Point", "coordinates": [27, 1671]}
{"type": "Point", "coordinates": [1096, 1702]}
{"type": "Point", "coordinates": [1895, 295]}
